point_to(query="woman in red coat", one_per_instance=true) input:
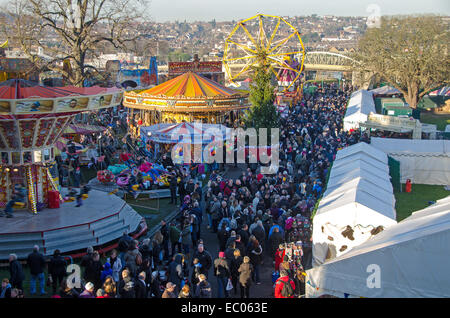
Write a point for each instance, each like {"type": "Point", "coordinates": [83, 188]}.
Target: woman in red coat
{"type": "Point", "coordinates": [279, 256]}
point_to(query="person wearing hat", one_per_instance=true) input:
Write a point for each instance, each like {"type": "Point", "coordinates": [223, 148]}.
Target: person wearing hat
{"type": "Point", "coordinates": [88, 291]}
{"type": "Point", "coordinates": [169, 292]}
{"type": "Point", "coordinates": [222, 272]}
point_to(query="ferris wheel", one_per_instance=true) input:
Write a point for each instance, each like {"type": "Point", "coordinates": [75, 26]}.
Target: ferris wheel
{"type": "Point", "coordinates": [268, 40]}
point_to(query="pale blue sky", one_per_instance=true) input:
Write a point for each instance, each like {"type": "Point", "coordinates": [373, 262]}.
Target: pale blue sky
{"type": "Point", "coordinates": [206, 10]}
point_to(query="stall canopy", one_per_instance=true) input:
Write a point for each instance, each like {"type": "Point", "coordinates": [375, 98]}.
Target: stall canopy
{"type": "Point", "coordinates": [422, 161]}
{"type": "Point", "coordinates": [196, 133]}
{"type": "Point", "coordinates": [444, 91]}
{"type": "Point", "coordinates": [411, 258]}
{"type": "Point", "coordinates": [357, 204]}
{"type": "Point", "coordinates": [359, 106]}
{"type": "Point", "coordinates": [385, 91]}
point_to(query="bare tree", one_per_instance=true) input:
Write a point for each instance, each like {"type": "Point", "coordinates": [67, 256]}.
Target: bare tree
{"type": "Point", "coordinates": [411, 53]}
{"type": "Point", "coordinates": [82, 28]}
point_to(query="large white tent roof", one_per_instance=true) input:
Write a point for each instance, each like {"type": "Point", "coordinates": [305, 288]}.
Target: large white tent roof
{"type": "Point", "coordinates": [421, 161]}
{"type": "Point", "coordinates": [412, 146]}
{"type": "Point", "coordinates": [358, 198]}
{"type": "Point", "coordinates": [385, 90]}
{"type": "Point", "coordinates": [365, 148]}
{"type": "Point", "coordinates": [360, 105]}
{"type": "Point", "coordinates": [412, 258]}
{"type": "Point", "coordinates": [380, 180]}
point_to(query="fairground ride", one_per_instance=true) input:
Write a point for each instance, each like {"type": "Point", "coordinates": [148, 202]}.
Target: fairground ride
{"type": "Point", "coordinates": [265, 40]}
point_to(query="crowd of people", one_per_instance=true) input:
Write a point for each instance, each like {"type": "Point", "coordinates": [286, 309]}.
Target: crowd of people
{"type": "Point", "coordinates": [258, 220]}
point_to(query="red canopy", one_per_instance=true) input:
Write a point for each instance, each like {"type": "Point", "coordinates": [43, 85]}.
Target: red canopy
{"type": "Point", "coordinates": [18, 89]}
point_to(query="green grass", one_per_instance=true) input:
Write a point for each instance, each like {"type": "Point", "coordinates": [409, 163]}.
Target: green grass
{"type": "Point", "coordinates": [417, 199]}
{"type": "Point", "coordinates": [147, 208]}
{"type": "Point", "coordinates": [441, 120]}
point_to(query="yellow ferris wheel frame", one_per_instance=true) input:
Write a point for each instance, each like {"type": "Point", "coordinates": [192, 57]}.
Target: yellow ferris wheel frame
{"type": "Point", "coordinates": [264, 52]}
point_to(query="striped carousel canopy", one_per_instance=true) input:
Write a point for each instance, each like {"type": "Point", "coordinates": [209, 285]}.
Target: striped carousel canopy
{"type": "Point", "coordinates": [190, 85]}
{"type": "Point", "coordinates": [189, 92]}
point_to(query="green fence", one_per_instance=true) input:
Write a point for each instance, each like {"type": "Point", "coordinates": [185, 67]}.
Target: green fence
{"type": "Point", "coordinates": [394, 172]}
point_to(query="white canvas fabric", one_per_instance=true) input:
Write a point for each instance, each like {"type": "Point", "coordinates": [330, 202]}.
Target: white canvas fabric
{"type": "Point", "coordinates": [365, 148]}
{"type": "Point", "coordinates": [411, 256]}
{"type": "Point", "coordinates": [421, 161]}
{"type": "Point", "coordinates": [358, 198]}
{"type": "Point", "coordinates": [385, 90]}
{"type": "Point", "coordinates": [360, 105]}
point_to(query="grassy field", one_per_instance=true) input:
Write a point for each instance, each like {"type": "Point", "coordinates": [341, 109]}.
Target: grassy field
{"type": "Point", "coordinates": [417, 199]}
{"type": "Point", "coordinates": [440, 120]}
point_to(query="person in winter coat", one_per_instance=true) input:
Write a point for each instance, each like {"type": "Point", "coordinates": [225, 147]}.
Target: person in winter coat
{"type": "Point", "coordinates": [86, 261]}
{"type": "Point", "coordinates": [255, 252]}
{"type": "Point", "coordinates": [107, 271]}
{"type": "Point", "coordinates": [127, 288]}
{"type": "Point", "coordinates": [223, 235]}
{"type": "Point", "coordinates": [88, 291]}
{"type": "Point", "coordinates": [57, 269]}
{"type": "Point", "coordinates": [175, 270]}
{"type": "Point", "coordinates": [204, 259]}
{"type": "Point", "coordinates": [116, 265]}
{"type": "Point", "coordinates": [275, 240]}
{"type": "Point", "coordinates": [203, 288]}
{"type": "Point", "coordinates": [94, 270]}
{"type": "Point", "coordinates": [185, 292]}
{"type": "Point", "coordinates": [16, 272]}
{"type": "Point", "coordinates": [36, 263]}
{"type": "Point", "coordinates": [109, 286]}
{"type": "Point", "coordinates": [245, 277]}
{"type": "Point", "coordinates": [5, 290]}
{"type": "Point", "coordinates": [186, 238]}
{"type": "Point", "coordinates": [235, 263]}
{"type": "Point", "coordinates": [132, 257]}
{"type": "Point", "coordinates": [174, 235]}
{"type": "Point", "coordinates": [65, 291]}
{"type": "Point", "coordinates": [279, 284]}
{"type": "Point", "coordinates": [141, 286]}
{"type": "Point", "coordinates": [279, 256]}
{"type": "Point", "coordinates": [222, 272]}
{"type": "Point", "coordinates": [169, 292]}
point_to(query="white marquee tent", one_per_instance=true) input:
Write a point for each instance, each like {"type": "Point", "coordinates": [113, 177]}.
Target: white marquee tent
{"type": "Point", "coordinates": [385, 90]}
{"type": "Point", "coordinates": [358, 200]}
{"type": "Point", "coordinates": [360, 105]}
{"type": "Point", "coordinates": [421, 161]}
{"type": "Point", "coordinates": [409, 259]}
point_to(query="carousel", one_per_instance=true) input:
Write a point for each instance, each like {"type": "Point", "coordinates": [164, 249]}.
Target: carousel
{"type": "Point", "coordinates": [187, 98]}
{"type": "Point", "coordinates": [32, 119]}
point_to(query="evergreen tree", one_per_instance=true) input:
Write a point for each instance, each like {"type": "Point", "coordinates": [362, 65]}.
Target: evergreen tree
{"type": "Point", "coordinates": [262, 113]}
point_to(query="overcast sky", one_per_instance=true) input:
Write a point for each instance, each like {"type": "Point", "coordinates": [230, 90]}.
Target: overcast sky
{"type": "Point", "coordinates": [206, 10]}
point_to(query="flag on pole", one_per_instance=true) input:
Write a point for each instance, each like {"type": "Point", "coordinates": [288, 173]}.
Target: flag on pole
{"type": "Point", "coordinates": [5, 44]}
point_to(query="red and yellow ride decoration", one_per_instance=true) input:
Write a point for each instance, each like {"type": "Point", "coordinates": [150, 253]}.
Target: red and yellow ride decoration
{"type": "Point", "coordinates": [32, 118]}
{"type": "Point", "coordinates": [265, 40]}
{"type": "Point", "coordinates": [188, 97]}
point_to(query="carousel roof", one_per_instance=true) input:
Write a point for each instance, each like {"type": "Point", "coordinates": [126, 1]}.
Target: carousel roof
{"type": "Point", "coordinates": [18, 89]}
{"type": "Point", "coordinates": [190, 85]}
{"type": "Point", "coordinates": [25, 97]}
{"type": "Point", "coordinates": [189, 92]}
